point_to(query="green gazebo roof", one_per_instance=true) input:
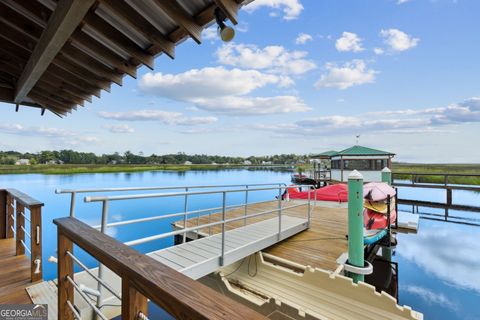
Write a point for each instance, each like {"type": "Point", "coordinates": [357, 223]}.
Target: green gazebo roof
{"type": "Point", "coordinates": [362, 151]}
{"type": "Point", "coordinates": [327, 154]}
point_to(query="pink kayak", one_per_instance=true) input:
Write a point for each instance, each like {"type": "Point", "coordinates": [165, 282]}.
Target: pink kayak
{"type": "Point", "coordinates": [378, 191]}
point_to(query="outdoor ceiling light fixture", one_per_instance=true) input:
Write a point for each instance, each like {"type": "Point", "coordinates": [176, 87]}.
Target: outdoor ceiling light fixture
{"type": "Point", "coordinates": [226, 33]}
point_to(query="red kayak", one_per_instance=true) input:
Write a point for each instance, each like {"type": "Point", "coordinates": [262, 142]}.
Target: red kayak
{"type": "Point", "coordinates": [374, 220]}
{"type": "Point", "coordinates": [334, 192]}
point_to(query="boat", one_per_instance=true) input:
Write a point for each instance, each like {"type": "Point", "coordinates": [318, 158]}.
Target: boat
{"type": "Point", "coordinates": [334, 192]}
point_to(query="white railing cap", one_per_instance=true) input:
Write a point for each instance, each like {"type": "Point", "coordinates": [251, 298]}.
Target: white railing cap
{"type": "Point", "coordinates": [355, 175]}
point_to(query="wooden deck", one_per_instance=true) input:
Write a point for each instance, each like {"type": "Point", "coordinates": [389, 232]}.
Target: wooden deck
{"type": "Point", "coordinates": [319, 246]}
{"type": "Point", "coordinates": [14, 274]}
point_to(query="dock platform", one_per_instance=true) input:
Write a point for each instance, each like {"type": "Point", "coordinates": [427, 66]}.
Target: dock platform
{"type": "Point", "coordinates": [14, 274]}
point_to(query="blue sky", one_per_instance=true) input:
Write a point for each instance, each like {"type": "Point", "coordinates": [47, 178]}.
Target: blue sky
{"type": "Point", "coordinates": [301, 76]}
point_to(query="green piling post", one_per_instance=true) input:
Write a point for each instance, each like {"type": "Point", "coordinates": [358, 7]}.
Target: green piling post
{"type": "Point", "coordinates": [355, 223]}
{"type": "Point", "coordinates": [387, 175]}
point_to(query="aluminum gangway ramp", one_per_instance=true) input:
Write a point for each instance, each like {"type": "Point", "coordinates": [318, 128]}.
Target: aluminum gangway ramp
{"type": "Point", "coordinates": [200, 257]}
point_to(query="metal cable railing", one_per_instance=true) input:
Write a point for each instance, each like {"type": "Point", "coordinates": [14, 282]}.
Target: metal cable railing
{"type": "Point", "coordinates": [16, 217]}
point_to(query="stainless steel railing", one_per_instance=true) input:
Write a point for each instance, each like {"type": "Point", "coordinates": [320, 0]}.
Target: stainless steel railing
{"type": "Point", "coordinates": [74, 192]}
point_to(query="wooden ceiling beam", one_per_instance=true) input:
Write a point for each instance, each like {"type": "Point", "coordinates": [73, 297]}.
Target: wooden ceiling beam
{"type": "Point", "coordinates": [98, 51]}
{"type": "Point", "coordinates": [65, 19]}
{"type": "Point", "coordinates": [109, 32]}
{"type": "Point", "coordinates": [230, 8]}
{"type": "Point", "coordinates": [81, 72]}
{"type": "Point", "coordinates": [80, 40]}
{"type": "Point", "coordinates": [75, 80]}
{"type": "Point", "coordinates": [203, 18]}
{"type": "Point", "coordinates": [136, 21]}
{"type": "Point", "coordinates": [13, 63]}
{"type": "Point", "coordinates": [47, 87]}
{"type": "Point", "coordinates": [14, 72]}
{"type": "Point", "coordinates": [178, 14]}
{"type": "Point", "coordinates": [98, 70]}
{"type": "Point", "coordinates": [20, 55]}
{"type": "Point", "coordinates": [60, 102]}
{"type": "Point", "coordinates": [6, 94]}
{"type": "Point", "coordinates": [48, 104]}
{"type": "Point", "coordinates": [78, 68]}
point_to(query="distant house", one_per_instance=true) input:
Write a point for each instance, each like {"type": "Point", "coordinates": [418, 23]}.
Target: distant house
{"type": "Point", "coordinates": [267, 162]}
{"type": "Point", "coordinates": [22, 162]}
{"type": "Point", "coordinates": [369, 162]}
{"type": "Point", "coordinates": [247, 162]}
{"type": "Point", "coordinates": [187, 163]}
{"type": "Point", "coordinates": [51, 162]}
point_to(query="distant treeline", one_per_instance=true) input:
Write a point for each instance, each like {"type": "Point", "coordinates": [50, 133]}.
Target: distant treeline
{"type": "Point", "coordinates": [75, 157]}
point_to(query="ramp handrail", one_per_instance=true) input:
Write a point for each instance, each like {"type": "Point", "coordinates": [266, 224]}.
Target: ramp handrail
{"type": "Point", "coordinates": [13, 214]}
{"type": "Point", "coordinates": [142, 278]}
{"type": "Point", "coordinates": [74, 192]}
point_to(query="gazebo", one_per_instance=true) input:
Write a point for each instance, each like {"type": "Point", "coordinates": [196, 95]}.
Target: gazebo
{"type": "Point", "coordinates": [369, 162]}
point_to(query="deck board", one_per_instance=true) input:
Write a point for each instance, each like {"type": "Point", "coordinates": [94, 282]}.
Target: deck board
{"type": "Point", "coordinates": [319, 246]}
{"type": "Point", "coordinates": [14, 274]}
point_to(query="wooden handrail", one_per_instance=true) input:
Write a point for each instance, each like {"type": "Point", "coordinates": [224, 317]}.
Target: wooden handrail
{"type": "Point", "coordinates": [24, 199]}
{"type": "Point", "coordinates": [13, 204]}
{"type": "Point", "coordinates": [142, 278]}
{"type": "Point", "coordinates": [436, 174]}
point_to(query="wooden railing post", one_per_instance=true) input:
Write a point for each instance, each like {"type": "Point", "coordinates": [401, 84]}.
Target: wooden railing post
{"type": "Point", "coordinates": [20, 233]}
{"type": "Point", "coordinates": [10, 221]}
{"type": "Point", "coordinates": [133, 302]}
{"type": "Point", "coordinates": [449, 196]}
{"type": "Point", "coordinates": [65, 268]}
{"type": "Point", "coordinates": [3, 214]}
{"type": "Point", "coordinates": [36, 242]}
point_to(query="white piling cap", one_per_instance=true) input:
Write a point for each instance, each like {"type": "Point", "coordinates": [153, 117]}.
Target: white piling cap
{"type": "Point", "coordinates": [355, 175]}
{"type": "Point", "coordinates": [386, 170]}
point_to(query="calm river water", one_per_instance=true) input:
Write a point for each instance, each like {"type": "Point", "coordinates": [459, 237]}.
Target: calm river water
{"type": "Point", "coordinates": [439, 267]}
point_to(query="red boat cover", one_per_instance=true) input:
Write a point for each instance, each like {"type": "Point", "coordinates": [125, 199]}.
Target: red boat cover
{"type": "Point", "coordinates": [334, 192]}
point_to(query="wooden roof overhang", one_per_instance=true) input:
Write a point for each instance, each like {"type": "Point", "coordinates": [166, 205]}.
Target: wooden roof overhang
{"type": "Point", "coordinates": [55, 54]}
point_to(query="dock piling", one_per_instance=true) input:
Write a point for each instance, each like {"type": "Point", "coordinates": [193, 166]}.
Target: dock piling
{"type": "Point", "coordinates": [355, 223]}
{"type": "Point", "coordinates": [387, 175]}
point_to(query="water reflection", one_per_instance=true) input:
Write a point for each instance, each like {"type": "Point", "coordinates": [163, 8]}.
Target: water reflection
{"type": "Point", "coordinates": [439, 270]}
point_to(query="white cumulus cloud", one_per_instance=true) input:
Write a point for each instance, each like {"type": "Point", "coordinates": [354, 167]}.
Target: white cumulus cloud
{"type": "Point", "coordinates": [273, 59]}
{"type": "Point", "coordinates": [291, 8]}
{"type": "Point", "coordinates": [223, 91]}
{"type": "Point", "coordinates": [349, 41]}
{"type": "Point", "coordinates": [165, 117]}
{"type": "Point", "coordinates": [119, 128]}
{"type": "Point", "coordinates": [398, 40]}
{"type": "Point", "coordinates": [206, 83]}
{"type": "Point", "coordinates": [254, 105]}
{"type": "Point", "coordinates": [350, 74]}
{"type": "Point", "coordinates": [303, 38]}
